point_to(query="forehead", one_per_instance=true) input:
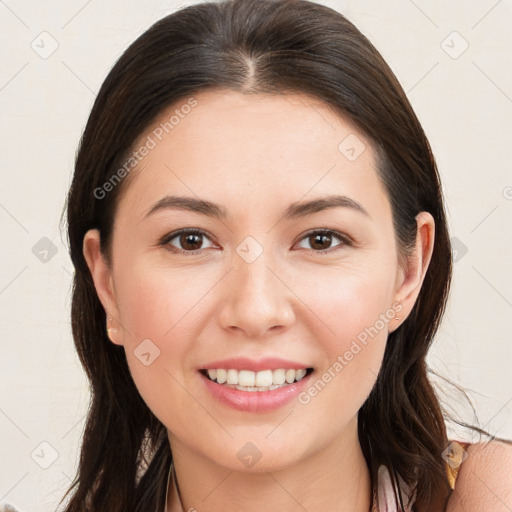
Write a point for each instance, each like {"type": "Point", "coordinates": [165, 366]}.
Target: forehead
{"type": "Point", "coordinates": [231, 143]}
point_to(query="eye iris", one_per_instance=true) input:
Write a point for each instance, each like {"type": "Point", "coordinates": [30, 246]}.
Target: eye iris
{"type": "Point", "coordinates": [320, 238]}
{"type": "Point", "coordinates": [188, 239]}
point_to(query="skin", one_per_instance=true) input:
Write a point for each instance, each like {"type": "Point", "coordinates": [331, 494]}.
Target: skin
{"type": "Point", "coordinates": [255, 155]}
{"type": "Point", "coordinates": [485, 479]}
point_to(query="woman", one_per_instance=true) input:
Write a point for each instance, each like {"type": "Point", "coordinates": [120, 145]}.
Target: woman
{"type": "Point", "coordinates": [262, 261]}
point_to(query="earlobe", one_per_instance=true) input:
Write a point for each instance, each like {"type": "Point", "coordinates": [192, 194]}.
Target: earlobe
{"type": "Point", "coordinates": [411, 276]}
{"type": "Point", "coordinates": [103, 282]}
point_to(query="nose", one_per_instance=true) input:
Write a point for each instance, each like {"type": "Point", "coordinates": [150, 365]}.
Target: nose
{"type": "Point", "coordinates": [256, 298]}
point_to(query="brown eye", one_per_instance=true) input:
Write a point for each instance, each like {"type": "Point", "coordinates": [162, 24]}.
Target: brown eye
{"type": "Point", "coordinates": [186, 241]}
{"type": "Point", "coordinates": [191, 242]}
{"type": "Point", "coordinates": [322, 240]}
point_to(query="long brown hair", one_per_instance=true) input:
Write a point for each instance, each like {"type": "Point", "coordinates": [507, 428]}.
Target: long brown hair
{"type": "Point", "coordinates": [255, 46]}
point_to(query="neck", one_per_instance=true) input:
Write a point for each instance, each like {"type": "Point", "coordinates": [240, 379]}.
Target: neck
{"type": "Point", "coordinates": [335, 478]}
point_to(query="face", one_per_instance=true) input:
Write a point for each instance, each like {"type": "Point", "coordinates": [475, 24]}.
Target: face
{"type": "Point", "coordinates": [295, 267]}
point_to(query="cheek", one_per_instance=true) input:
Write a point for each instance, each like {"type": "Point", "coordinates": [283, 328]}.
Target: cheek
{"type": "Point", "coordinates": [347, 301]}
{"type": "Point", "coordinates": [162, 303]}
{"type": "Point", "coordinates": [162, 313]}
{"type": "Point", "coordinates": [350, 314]}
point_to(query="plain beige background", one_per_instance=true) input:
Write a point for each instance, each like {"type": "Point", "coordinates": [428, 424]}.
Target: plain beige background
{"type": "Point", "coordinates": [453, 60]}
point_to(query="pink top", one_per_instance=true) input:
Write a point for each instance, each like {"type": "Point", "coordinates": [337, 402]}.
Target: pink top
{"type": "Point", "coordinates": [386, 497]}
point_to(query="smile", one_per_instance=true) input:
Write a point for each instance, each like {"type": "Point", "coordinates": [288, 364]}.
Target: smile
{"type": "Point", "coordinates": [247, 380]}
{"type": "Point", "coordinates": [255, 386]}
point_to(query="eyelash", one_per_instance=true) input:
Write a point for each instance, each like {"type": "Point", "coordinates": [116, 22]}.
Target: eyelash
{"type": "Point", "coordinates": [344, 239]}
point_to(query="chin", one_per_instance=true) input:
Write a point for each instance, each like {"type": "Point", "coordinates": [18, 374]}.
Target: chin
{"type": "Point", "coordinates": [259, 454]}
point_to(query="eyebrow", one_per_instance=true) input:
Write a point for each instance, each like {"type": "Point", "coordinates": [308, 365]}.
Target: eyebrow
{"type": "Point", "coordinates": [295, 210]}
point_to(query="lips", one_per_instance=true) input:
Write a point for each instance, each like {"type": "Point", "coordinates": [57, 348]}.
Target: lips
{"type": "Point", "coordinates": [255, 386]}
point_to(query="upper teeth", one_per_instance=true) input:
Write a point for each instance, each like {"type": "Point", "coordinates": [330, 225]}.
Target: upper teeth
{"type": "Point", "coordinates": [248, 378]}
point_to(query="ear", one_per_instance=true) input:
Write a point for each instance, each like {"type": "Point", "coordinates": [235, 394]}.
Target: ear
{"type": "Point", "coordinates": [103, 282]}
{"type": "Point", "coordinates": [412, 272]}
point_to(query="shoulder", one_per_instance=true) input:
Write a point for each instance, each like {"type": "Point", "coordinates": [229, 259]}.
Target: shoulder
{"type": "Point", "coordinates": [485, 479]}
